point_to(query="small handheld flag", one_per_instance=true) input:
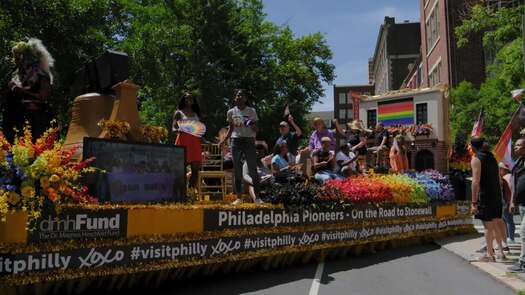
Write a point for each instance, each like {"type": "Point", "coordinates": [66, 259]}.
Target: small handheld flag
{"type": "Point", "coordinates": [286, 111]}
{"type": "Point", "coordinates": [517, 94]}
{"type": "Point", "coordinates": [478, 125]}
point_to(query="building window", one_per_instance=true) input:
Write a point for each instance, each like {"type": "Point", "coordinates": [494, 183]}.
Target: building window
{"type": "Point", "coordinates": [342, 114]}
{"type": "Point", "coordinates": [432, 27]}
{"type": "Point", "coordinates": [434, 77]}
{"type": "Point", "coordinates": [349, 114]}
{"type": "Point", "coordinates": [421, 113]}
{"type": "Point", "coordinates": [371, 118]}
{"type": "Point", "coordinates": [342, 98]}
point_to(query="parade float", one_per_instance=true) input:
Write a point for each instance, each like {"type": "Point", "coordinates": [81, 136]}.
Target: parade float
{"type": "Point", "coordinates": [56, 236]}
{"type": "Point", "coordinates": [422, 114]}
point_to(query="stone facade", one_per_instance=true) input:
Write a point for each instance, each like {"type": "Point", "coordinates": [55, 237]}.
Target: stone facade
{"type": "Point", "coordinates": [438, 150]}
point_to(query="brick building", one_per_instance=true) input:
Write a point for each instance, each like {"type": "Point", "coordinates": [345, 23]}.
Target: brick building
{"type": "Point", "coordinates": [397, 47]}
{"type": "Point", "coordinates": [346, 101]}
{"type": "Point", "coordinates": [442, 62]}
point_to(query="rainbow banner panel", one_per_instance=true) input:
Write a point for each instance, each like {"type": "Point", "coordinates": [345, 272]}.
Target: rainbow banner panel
{"type": "Point", "coordinates": [396, 112]}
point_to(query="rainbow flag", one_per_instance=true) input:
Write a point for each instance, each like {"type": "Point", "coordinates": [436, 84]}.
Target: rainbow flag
{"type": "Point", "coordinates": [503, 150]}
{"type": "Point", "coordinates": [397, 112]}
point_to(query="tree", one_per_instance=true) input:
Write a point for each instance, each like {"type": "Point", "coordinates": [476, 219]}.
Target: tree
{"type": "Point", "coordinates": [502, 41]}
{"type": "Point", "coordinates": [463, 108]}
{"type": "Point", "coordinates": [208, 46]}
{"type": "Point", "coordinates": [215, 46]}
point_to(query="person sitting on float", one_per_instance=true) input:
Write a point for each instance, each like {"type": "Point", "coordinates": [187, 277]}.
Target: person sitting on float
{"type": "Point", "coordinates": [324, 162]}
{"type": "Point", "coordinates": [346, 161]}
{"type": "Point", "coordinates": [305, 154]}
{"type": "Point", "coordinates": [291, 138]}
{"type": "Point", "coordinates": [188, 109]}
{"type": "Point", "coordinates": [28, 90]}
{"type": "Point", "coordinates": [320, 131]}
{"type": "Point", "coordinates": [265, 174]}
{"type": "Point", "coordinates": [398, 155]}
{"type": "Point", "coordinates": [356, 136]}
{"type": "Point", "coordinates": [282, 161]}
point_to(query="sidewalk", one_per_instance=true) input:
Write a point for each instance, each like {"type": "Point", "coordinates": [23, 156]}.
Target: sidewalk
{"type": "Point", "coordinates": [466, 246]}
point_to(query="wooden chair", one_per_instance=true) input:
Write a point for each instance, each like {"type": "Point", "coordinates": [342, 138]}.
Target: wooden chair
{"type": "Point", "coordinates": [211, 170]}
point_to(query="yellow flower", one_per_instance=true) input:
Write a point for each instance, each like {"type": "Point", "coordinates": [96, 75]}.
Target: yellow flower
{"type": "Point", "coordinates": [44, 182]}
{"type": "Point", "coordinates": [54, 162]}
{"type": "Point", "coordinates": [62, 187]}
{"type": "Point", "coordinates": [54, 178]}
{"type": "Point", "coordinates": [28, 191]}
{"type": "Point", "coordinates": [13, 198]}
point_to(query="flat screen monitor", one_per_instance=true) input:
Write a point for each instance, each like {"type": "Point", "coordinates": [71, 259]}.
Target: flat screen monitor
{"type": "Point", "coordinates": [136, 172]}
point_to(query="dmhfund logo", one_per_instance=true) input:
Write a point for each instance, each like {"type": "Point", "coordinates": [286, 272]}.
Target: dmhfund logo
{"type": "Point", "coordinates": [80, 222]}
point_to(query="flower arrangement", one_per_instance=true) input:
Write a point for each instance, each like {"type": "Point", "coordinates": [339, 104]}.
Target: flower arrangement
{"type": "Point", "coordinates": [40, 174]}
{"type": "Point", "coordinates": [154, 134]}
{"type": "Point", "coordinates": [422, 130]}
{"type": "Point", "coordinates": [414, 130]}
{"type": "Point", "coordinates": [414, 187]}
{"type": "Point", "coordinates": [295, 193]}
{"type": "Point", "coordinates": [362, 190]}
{"type": "Point", "coordinates": [404, 189]}
{"type": "Point", "coordinates": [115, 129]}
{"type": "Point", "coordinates": [437, 187]}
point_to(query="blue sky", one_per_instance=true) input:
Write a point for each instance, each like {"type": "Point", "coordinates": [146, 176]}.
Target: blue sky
{"type": "Point", "coordinates": [350, 28]}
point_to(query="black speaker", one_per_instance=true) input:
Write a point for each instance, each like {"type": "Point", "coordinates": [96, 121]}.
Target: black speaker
{"type": "Point", "coordinates": [101, 73]}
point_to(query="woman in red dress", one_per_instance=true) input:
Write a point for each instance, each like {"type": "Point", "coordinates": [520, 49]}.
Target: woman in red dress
{"type": "Point", "coordinates": [188, 109]}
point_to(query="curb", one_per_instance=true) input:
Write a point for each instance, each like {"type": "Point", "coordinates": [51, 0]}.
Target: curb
{"type": "Point", "coordinates": [502, 276]}
{"type": "Point", "coordinates": [507, 278]}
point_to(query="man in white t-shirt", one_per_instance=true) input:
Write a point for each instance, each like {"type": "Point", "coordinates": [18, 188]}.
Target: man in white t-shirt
{"type": "Point", "coordinates": [345, 159]}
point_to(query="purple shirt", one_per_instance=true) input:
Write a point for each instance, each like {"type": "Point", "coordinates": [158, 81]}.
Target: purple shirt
{"type": "Point", "coordinates": [315, 139]}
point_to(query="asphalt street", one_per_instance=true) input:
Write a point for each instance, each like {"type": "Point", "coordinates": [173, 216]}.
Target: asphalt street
{"type": "Point", "coordinates": [424, 269]}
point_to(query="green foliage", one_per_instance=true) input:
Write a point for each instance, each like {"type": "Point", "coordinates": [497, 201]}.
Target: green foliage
{"type": "Point", "coordinates": [208, 46]}
{"type": "Point", "coordinates": [498, 27]}
{"type": "Point", "coordinates": [464, 108]}
{"type": "Point", "coordinates": [214, 47]}
{"type": "Point", "coordinates": [501, 31]}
